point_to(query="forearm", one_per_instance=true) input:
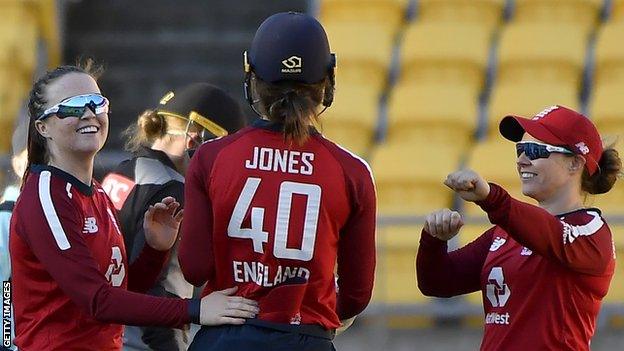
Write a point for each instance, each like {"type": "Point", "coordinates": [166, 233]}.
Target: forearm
{"type": "Point", "coordinates": [443, 274]}
{"type": "Point", "coordinates": [146, 269]}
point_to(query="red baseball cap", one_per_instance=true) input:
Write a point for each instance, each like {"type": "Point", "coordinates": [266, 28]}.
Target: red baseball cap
{"type": "Point", "coordinates": [559, 126]}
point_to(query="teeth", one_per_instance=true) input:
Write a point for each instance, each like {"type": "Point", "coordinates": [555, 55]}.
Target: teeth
{"type": "Point", "coordinates": [527, 175]}
{"type": "Point", "coordinates": [89, 129]}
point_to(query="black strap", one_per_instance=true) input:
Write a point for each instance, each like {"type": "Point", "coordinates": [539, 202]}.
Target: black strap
{"type": "Point", "coordinates": [7, 206]}
{"type": "Point", "coordinates": [304, 329]}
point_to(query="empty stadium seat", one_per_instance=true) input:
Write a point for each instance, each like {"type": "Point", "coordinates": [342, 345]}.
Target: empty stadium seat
{"type": "Point", "coordinates": [351, 121]}
{"type": "Point", "coordinates": [395, 281]}
{"type": "Point", "coordinates": [445, 53]}
{"type": "Point", "coordinates": [440, 113]}
{"type": "Point", "coordinates": [391, 12]}
{"type": "Point", "coordinates": [527, 99]}
{"type": "Point", "coordinates": [541, 52]}
{"type": "Point", "coordinates": [488, 13]}
{"type": "Point", "coordinates": [583, 13]}
{"type": "Point", "coordinates": [606, 109]}
{"type": "Point", "coordinates": [363, 52]}
{"type": "Point", "coordinates": [617, 11]}
{"type": "Point", "coordinates": [609, 66]}
{"type": "Point", "coordinates": [409, 177]}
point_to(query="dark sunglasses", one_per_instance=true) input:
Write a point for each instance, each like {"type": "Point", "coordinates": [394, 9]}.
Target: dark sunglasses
{"type": "Point", "coordinates": [76, 106]}
{"type": "Point", "coordinates": [534, 150]}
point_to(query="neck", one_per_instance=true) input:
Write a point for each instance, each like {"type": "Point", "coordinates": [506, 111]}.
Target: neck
{"type": "Point", "coordinates": [567, 201]}
{"type": "Point", "coordinates": [177, 160]}
{"type": "Point", "coordinates": [81, 168]}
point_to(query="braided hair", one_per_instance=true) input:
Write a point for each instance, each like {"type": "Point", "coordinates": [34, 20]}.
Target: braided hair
{"type": "Point", "coordinates": [36, 145]}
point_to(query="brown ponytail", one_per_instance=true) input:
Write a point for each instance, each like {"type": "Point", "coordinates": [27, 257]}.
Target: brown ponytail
{"type": "Point", "coordinates": [149, 127]}
{"type": "Point", "coordinates": [610, 168]}
{"type": "Point", "coordinates": [295, 105]}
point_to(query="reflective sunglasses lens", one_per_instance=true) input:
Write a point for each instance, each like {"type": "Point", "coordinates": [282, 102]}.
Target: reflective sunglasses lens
{"type": "Point", "coordinates": [532, 151]}
{"type": "Point", "coordinates": [69, 111]}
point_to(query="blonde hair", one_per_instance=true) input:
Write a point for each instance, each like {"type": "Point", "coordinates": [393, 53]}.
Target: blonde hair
{"type": "Point", "coordinates": [150, 126]}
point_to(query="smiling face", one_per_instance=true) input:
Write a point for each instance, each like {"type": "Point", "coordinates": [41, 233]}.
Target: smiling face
{"type": "Point", "coordinates": [82, 136]}
{"type": "Point", "coordinates": [544, 179]}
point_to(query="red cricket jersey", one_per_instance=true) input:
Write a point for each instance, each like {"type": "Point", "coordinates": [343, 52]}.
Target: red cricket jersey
{"type": "Point", "coordinates": [70, 272]}
{"type": "Point", "coordinates": [542, 277]}
{"type": "Point", "coordinates": [263, 214]}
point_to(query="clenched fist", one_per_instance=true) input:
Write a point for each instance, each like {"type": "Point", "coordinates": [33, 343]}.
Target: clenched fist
{"type": "Point", "coordinates": [443, 224]}
{"type": "Point", "coordinates": [468, 185]}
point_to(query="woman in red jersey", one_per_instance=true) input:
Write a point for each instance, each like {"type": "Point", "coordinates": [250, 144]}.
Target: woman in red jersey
{"type": "Point", "coordinates": [70, 271]}
{"type": "Point", "coordinates": [543, 270]}
{"type": "Point", "coordinates": [276, 205]}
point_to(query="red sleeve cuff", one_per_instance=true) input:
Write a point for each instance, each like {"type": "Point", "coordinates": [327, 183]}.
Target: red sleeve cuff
{"type": "Point", "coordinates": [495, 198]}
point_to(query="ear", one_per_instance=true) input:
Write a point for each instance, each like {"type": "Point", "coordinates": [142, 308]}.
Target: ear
{"type": "Point", "coordinates": [576, 163]}
{"type": "Point", "coordinates": [42, 129]}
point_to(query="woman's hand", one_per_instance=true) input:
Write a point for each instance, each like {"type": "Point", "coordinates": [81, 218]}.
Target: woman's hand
{"type": "Point", "coordinates": [443, 224]}
{"type": "Point", "coordinates": [161, 224]}
{"type": "Point", "coordinates": [468, 185]}
{"type": "Point", "coordinates": [220, 307]}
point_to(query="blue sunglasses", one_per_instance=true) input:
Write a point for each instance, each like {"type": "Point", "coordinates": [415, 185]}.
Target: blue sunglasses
{"type": "Point", "coordinates": [534, 150]}
{"type": "Point", "coordinates": [76, 106]}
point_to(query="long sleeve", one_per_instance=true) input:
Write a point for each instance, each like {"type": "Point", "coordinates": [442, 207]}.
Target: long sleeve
{"type": "Point", "coordinates": [584, 245]}
{"type": "Point", "coordinates": [356, 253]}
{"type": "Point", "coordinates": [146, 269]}
{"type": "Point", "coordinates": [444, 274]}
{"type": "Point", "coordinates": [195, 252]}
{"type": "Point", "coordinates": [53, 232]}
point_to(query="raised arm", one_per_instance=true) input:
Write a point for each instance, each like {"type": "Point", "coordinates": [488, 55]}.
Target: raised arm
{"type": "Point", "coordinates": [583, 244]}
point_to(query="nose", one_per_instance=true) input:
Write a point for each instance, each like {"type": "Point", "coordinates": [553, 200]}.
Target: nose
{"type": "Point", "coordinates": [88, 114]}
{"type": "Point", "coordinates": [523, 160]}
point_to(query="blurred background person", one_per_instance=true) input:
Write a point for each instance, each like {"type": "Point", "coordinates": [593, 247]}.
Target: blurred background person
{"type": "Point", "coordinates": [7, 201]}
{"type": "Point", "coordinates": [162, 142]}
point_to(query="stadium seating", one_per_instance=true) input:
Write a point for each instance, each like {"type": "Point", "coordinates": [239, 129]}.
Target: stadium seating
{"type": "Point", "coordinates": [487, 13]}
{"type": "Point", "coordinates": [537, 53]}
{"type": "Point", "coordinates": [445, 53]}
{"type": "Point", "coordinates": [396, 273]}
{"type": "Point", "coordinates": [609, 66]}
{"type": "Point", "coordinates": [439, 113]}
{"type": "Point", "coordinates": [352, 119]}
{"type": "Point", "coordinates": [583, 13]}
{"type": "Point", "coordinates": [527, 99]}
{"type": "Point", "coordinates": [393, 12]}
{"type": "Point", "coordinates": [409, 177]}
{"type": "Point", "coordinates": [617, 11]}
{"type": "Point", "coordinates": [606, 109]}
{"type": "Point", "coordinates": [363, 52]}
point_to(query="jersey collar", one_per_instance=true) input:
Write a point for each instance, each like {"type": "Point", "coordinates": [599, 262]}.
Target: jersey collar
{"type": "Point", "coordinates": [274, 126]}
{"type": "Point", "coordinates": [82, 187]}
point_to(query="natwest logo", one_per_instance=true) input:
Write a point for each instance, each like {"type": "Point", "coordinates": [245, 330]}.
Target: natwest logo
{"type": "Point", "coordinates": [497, 318]}
{"type": "Point", "coordinates": [292, 64]}
{"type": "Point", "coordinates": [497, 291]}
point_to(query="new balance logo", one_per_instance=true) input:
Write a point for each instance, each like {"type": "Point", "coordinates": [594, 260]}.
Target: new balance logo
{"type": "Point", "coordinates": [497, 243]}
{"type": "Point", "coordinates": [90, 226]}
{"type": "Point", "coordinates": [526, 252]}
{"type": "Point", "coordinates": [584, 149]}
{"type": "Point", "coordinates": [292, 64]}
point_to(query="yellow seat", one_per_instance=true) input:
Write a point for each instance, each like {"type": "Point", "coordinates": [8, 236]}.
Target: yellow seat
{"type": "Point", "coordinates": [606, 109]}
{"type": "Point", "coordinates": [503, 172]}
{"type": "Point", "coordinates": [409, 177]}
{"type": "Point", "coordinates": [19, 28]}
{"type": "Point", "coordinates": [351, 121]}
{"type": "Point", "coordinates": [536, 53]}
{"type": "Point", "coordinates": [527, 99]}
{"type": "Point", "coordinates": [395, 281]}
{"type": "Point", "coordinates": [365, 12]}
{"type": "Point", "coordinates": [617, 10]}
{"type": "Point", "coordinates": [363, 52]}
{"type": "Point", "coordinates": [434, 112]}
{"type": "Point", "coordinates": [583, 13]}
{"type": "Point", "coordinates": [609, 67]}
{"type": "Point", "coordinates": [488, 13]}
{"type": "Point", "coordinates": [445, 53]}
